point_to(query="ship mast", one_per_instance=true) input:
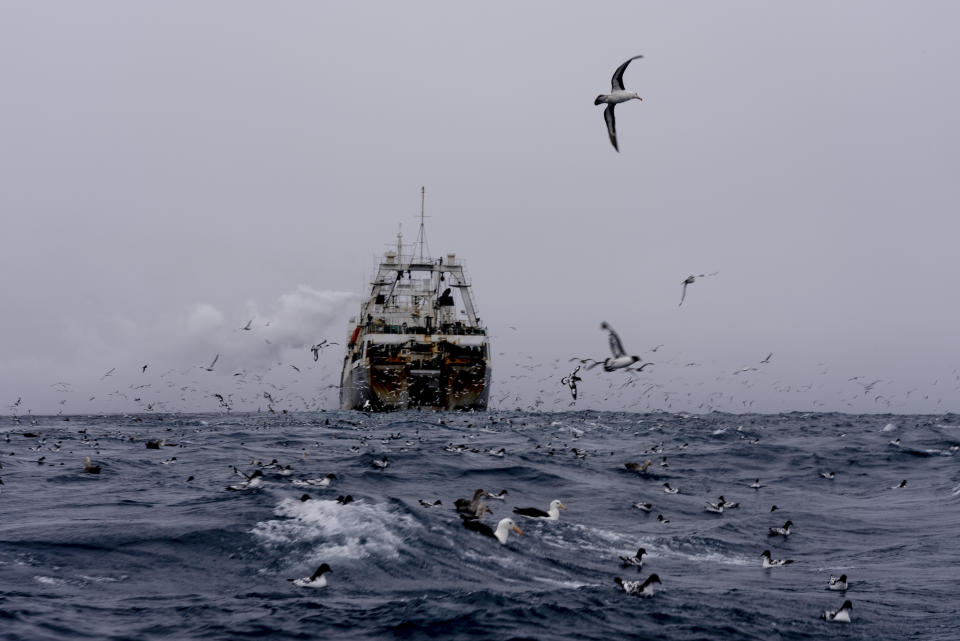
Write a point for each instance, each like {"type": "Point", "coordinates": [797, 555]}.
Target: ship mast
{"type": "Point", "coordinates": [422, 237]}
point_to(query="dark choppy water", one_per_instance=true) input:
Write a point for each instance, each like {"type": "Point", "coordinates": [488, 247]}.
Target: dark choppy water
{"type": "Point", "coordinates": [141, 552]}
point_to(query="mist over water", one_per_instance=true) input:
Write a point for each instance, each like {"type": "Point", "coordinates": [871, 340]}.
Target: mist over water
{"type": "Point", "coordinates": [155, 546]}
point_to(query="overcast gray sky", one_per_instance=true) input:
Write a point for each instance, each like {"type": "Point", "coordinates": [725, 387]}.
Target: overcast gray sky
{"type": "Point", "coordinates": [171, 170]}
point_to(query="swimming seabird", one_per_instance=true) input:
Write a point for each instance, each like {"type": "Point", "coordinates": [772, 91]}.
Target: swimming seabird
{"type": "Point", "coordinates": [716, 508]}
{"type": "Point", "coordinates": [774, 508]}
{"type": "Point", "coordinates": [254, 480]}
{"type": "Point", "coordinates": [837, 583]}
{"type": "Point", "coordinates": [88, 467]}
{"type": "Point", "coordinates": [617, 95]}
{"type": "Point", "coordinates": [636, 560]}
{"type": "Point", "coordinates": [638, 467]}
{"type": "Point", "coordinates": [756, 484]}
{"type": "Point", "coordinates": [901, 484]}
{"type": "Point", "coordinates": [322, 482]}
{"type": "Point", "coordinates": [381, 464]}
{"type": "Point", "coordinates": [343, 500]}
{"type": "Point", "coordinates": [827, 475]}
{"type": "Point", "coordinates": [571, 381]}
{"type": "Point", "coordinates": [471, 508]}
{"type": "Point", "coordinates": [643, 506]}
{"type": "Point", "coordinates": [497, 497]}
{"type": "Point", "coordinates": [500, 533]}
{"type": "Point", "coordinates": [670, 490]}
{"type": "Point", "coordinates": [781, 531]}
{"type": "Point", "coordinates": [552, 513]}
{"type": "Point", "coordinates": [661, 519]}
{"type": "Point", "coordinates": [638, 588]}
{"type": "Point", "coordinates": [727, 504]}
{"type": "Point", "coordinates": [315, 580]}
{"type": "Point", "coordinates": [428, 504]}
{"type": "Point", "coordinates": [774, 563]}
{"type": "Point", "coordinates": [840, 616]}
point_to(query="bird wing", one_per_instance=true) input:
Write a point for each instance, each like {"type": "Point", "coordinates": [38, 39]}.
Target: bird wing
{"type": "Point", "coordinates": [615, 345]}
{"type": "Point", "coordinates": [616, 84]}
{"type": "Point", "coordinates": [611, 125]}
{"type": "Point", "coordinates": [214, 361]}
{"type": "Point", "coordinates": [683, 294]}
{"type": "Point", "coordinates": [530, 511]}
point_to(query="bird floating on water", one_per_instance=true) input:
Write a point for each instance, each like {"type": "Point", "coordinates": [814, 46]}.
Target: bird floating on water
{"type": "Point", "coordinates": [89, 467]}
{"type": "Point", "coordinates": [838, 583]}
{"type": "Point", "coordinates": [840, 616]}
{"type": "Point", "coordinates": [552, 513]}
{"type": "Point", "coordinates": [617, 95]}
{"type": "Point", "coordinates": [636, 560]}
{"type": "Point", "coordinates": [502, 531]}
{"type": "Point", "coordinates": [315, 580]}
{"type": "Point", "coordinates": [638, 588]}
{"type": "Point", "coordinates": [781, 531]}
{"type": "Point", "coordinates": [773, 563]}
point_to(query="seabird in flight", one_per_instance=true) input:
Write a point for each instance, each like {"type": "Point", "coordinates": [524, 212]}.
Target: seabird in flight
{"type": "Point", "coordinates": [617, 95]}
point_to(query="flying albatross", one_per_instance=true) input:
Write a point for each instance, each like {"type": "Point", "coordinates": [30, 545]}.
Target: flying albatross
{"type": "Point", "coordinates": [617, 95]}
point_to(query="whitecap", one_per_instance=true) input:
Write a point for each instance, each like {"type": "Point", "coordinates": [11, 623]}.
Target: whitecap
{"type": "Point", "coordinates": [353, 532]}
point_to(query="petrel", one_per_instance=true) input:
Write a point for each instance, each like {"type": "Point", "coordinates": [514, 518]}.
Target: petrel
{"type": "Point", "coordinates": [617, 95]}
{"type": "Point", "coordinates": [214, 362]}
{"type": "Point", "coordinates": [315, 580]}
{"type": "Point", "coordinates": [840, 616]}
{"type": "Point", "coordinates": [638, 588]}
{"type": "Point", "coordinates": [571, 381]}
{"type": "Point", "coordinates": [686, 281]}
{"type": "Point", "coordinates": [620, 358]}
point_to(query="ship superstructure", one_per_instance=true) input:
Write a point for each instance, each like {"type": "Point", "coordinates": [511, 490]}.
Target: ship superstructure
{"type": "Point", "coordinates": [417, 341]}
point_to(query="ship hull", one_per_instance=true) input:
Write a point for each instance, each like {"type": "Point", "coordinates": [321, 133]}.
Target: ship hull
{"type": "Point", "coordinates": [447, 381]}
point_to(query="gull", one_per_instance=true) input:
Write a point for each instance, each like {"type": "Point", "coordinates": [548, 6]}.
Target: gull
{"type": "Point", "coordinates": [617, 95]}
{"type": "Point", "coordinates": [214, 362]}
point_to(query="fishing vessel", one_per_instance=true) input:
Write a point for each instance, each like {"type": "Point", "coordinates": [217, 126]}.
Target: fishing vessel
{"type": "Point", "coordinates": [417, 342]}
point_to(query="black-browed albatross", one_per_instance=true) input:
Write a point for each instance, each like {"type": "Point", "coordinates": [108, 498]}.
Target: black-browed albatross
{"type": "Point", "coordinates": [617, 95]}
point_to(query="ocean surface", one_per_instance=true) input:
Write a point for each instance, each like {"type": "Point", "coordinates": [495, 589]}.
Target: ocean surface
{"type": "Point", "coordinates": [156, 547]}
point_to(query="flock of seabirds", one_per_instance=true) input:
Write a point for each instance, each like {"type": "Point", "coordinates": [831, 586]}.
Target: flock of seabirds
{"type": "Point", "coordinates": [472, 510]}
